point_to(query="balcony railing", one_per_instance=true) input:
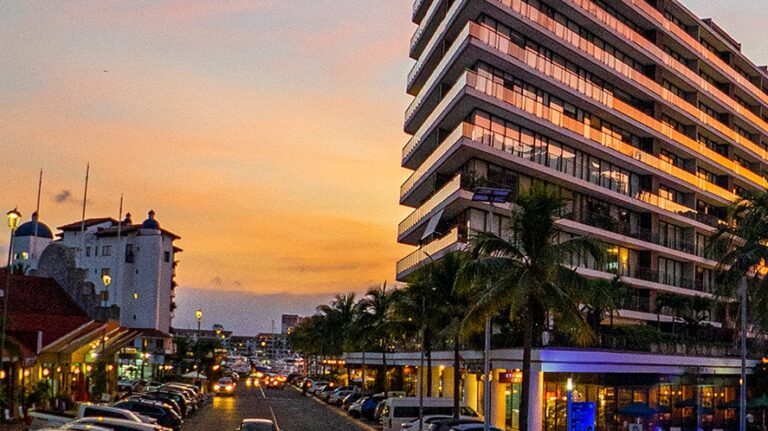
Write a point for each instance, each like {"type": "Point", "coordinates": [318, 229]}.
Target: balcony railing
{"type": "Point", "coordinates": [556, 117]}
{"type": "Point", "coordinates": [421, 212]}
{"type": "Point", "coordinates": [586, 87]}
{"type": "Point", "coordinates": [629, 34]}
{"type": "Point", "coordinates": [418, 137]}
{"type": "Point", "coordinates": [431, 249]}
{"type": "Point", "coordinates": [663, 278]}
{"type": "Point", "coordinates": [464, 130]}
{"type": "Point", "coordinates": [697, 47]}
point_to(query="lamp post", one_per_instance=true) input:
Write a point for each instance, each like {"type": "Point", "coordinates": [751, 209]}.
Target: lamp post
{"type": "Point", "coordinates": [14, 217]}
{"type": "Point", "coordinates": [491, 196]}
{"type": "Point", "coordinates": [569, 406]}
{"type": "Point", "coordinates": [106, 279]}
{"type": "Point", "coordinates": [743, 382]}
{"type": "Point", "coordinates": [199, 318]}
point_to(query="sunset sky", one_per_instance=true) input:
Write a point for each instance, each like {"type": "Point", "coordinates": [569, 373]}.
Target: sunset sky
{"type": "Point", "coordinates": [267, 133]}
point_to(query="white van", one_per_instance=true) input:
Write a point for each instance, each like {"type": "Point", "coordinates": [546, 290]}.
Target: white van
{"type": "Point", "coordinates": [398, 411]}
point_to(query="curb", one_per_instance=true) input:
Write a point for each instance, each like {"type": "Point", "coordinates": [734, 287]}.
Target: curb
{"type": "Point", "coordinates": [339, 413]}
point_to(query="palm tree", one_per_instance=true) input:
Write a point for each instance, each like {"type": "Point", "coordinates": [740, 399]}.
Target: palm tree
{"type": "Point", "coordinates": [415, 307]}
{"type": "Point", "coordinates": [601, 298]}
{"type": "Point", "coordinates": [526, 275]}
{"type": "Point", "coordinates": [377, 309]}
{"type": "Point", "coordinates": [441, 305]}
{"type": "Point", "coordinates": [744, 244]}
{"type": "Point", "coordinates": [339, 316]}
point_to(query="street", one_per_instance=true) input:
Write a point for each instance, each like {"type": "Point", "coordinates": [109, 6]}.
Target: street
{"type": "Point", "coordinates": [291, 410]}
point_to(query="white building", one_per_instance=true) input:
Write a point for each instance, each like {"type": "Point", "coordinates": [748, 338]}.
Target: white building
{"type": "Point", "coordinates": [29, 241]}
{"type": "Point", "coordinates": [138, 258]}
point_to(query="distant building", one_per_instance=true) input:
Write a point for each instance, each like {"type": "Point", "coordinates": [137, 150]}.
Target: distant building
{"type": "Point", "coordinates": [240, 345]}
{"type": "Point", "coordinates": [272, 346]}
{"type": "Point", "coordinates": [204, 334]}
{"type": "Point", "coordinates": [290, 321]}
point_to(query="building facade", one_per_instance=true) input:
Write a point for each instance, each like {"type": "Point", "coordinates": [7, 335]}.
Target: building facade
{"type": "Point", "coordinates": [131, 266]}
{"type": "Point", "coordinates": [646, 118]}
{"type": "Point", "coordinates": [289, 322]}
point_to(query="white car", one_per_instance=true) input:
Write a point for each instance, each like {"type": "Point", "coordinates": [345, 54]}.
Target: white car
{"type": "Point", "coordinates": [114, 424]}
{"type": "Point", "coordinates": [337, 397]}
{"type": "Point", "coordinates": [414, 424]}
{"type": "Point", "coordinates": [257, 425]}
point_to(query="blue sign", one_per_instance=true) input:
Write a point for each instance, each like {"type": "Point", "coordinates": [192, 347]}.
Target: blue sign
{"type": "Point", "coordinates": [582, 417]}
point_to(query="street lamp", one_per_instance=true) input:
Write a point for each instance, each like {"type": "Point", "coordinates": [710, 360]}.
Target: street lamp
{"type": "Point", "coordinates": [199, 317]}
{"type": "Point", "coordinates": [14, 217]}
{"type": "Point", "coordinates": [107, 280]}
{"type": "Point", "coordinates": [491, 196]}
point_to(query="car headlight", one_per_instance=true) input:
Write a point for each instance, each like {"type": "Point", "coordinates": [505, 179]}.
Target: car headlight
{"type": "Point", "coordinates": [216, 387]}
{"type": "Point", "coordinates": [228, 387]}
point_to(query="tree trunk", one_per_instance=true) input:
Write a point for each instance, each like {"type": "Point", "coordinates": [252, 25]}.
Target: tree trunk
{"type": "Point", "coordinates": [456, 375]}
{"type": "Point", "coordinates": [362, 372]}
{"type": "Point", "coordinates": [384, 363]}
{"type": "Point", "coordinates": [428, 354]}
{"type": "Point", "coordinates": [525, 389]}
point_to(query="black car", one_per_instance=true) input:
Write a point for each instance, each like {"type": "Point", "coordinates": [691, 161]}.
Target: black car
{"type": "Point", "coordinates": [162, 412]}
{"type": "Point", "coordinates": [163, 399]}
{"type": "Point", "coordinates": [447, 424]}
{"type": "Point", "coordinates": [181, 400]}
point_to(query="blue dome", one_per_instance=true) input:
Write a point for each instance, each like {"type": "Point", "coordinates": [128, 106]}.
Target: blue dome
{"type": "Point", "coordinates": [28, 229]}
{"type": "Point", "coordinates": [151, 222]}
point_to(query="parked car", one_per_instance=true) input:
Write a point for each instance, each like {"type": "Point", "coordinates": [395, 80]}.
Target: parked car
{"type": "Point", "coordinates": [397, 411]}
{"type": "Point", "coordinates": [162, 412]}
{"type": "Point", "coordinates": [448, 424]}
{"type": "Point", "coordinates": [146, 397]}
{"type": "Point", "coordinates": [368, 409]}
{"type": "Point", "coordinates": [49, 419]}
{"type": "Point", "coordinates": [317, 385]}
{"type": "Point", "coordinates": [337, 397]}
{"type": "Point", "coordinates": [113, 424]}
{"type": "Point", "coordinates": [165, 396]}
{"type": "Point", "coordinates": [257, 425]}
{"type": "Point", "coordinates": [472, 427]}
{"type": "Point", "coordinates": [326, 392]}
{"type": "Point", "coordinates": [350, 399]}
{"type": "Point", "coordinates": [426, 420]}
{"type": "Point", "coordinates": [196, 400]}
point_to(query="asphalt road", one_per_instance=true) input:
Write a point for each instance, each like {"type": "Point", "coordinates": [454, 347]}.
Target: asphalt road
{"type": "Point", "coordinates": [291, 410]}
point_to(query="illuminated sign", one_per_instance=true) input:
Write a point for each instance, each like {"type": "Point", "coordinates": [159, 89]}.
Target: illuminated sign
{"type": "Point", "coordinates": [508, 376]}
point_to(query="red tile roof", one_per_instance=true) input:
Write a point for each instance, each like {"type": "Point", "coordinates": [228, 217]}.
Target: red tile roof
{"type": "Point", "coordinates": [40, 304]}
{"type": "Point", "coordinates": [88, 222]}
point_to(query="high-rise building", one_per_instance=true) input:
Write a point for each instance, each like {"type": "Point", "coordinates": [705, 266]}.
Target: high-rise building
{"type": "Point", "coordinates": [648, 119]}
{"type": "Point", "coordinates": [289, 322]}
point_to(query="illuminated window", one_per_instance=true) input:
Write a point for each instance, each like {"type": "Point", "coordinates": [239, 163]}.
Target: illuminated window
{"type": "Point", "coordinates": [135, 295]}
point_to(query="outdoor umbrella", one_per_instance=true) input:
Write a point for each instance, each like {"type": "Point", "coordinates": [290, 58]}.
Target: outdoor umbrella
{"type": "Point", "coordinates": [759, 403]}
{"type": "Point", "coordinates": [730, 405]}
{"type": "Point", "coordinates": [691, 403]}
{"type": "Point", "coordinates": [637, 410]}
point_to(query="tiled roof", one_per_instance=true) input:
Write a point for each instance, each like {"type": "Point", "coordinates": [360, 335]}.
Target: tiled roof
{"type": "Point", "coordinates": [88, 222]}
{"type": "Point", "coordinates": [40, 304]}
